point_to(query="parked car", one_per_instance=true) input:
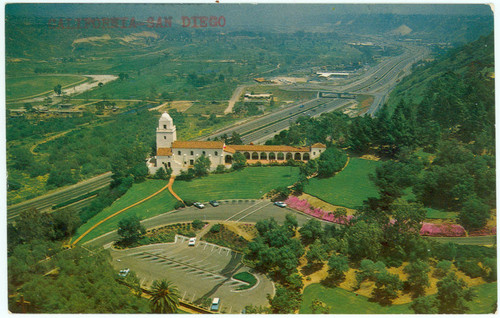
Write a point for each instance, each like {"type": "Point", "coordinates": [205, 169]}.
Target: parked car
{"type": "Point", "coordinates": [215, 304]}
{"type": "Point", "coordinates": [214, 203]}
{"type": "Point", "coordinates": [124, 272]}
{"type": "Point", "coordinates": [199, 205]}
{"type": "Point", "coordinates": [280, 204]}
{"type": "Point", "coordinates": [192, 241]}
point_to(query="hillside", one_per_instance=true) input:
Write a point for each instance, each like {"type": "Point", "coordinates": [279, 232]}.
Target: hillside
{"type": "Point", "coordinates": [477, 57]}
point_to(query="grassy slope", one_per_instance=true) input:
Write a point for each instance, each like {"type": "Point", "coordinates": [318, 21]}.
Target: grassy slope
{"type": "Point", "coordinates": [246, 184]}
{"type": "Point", "coordinates": [161, 203]}
{"type": "Point", "coordinates": [344, 302]}
{"type": "Point", "coordinates": [251, 183]}
{"type": "Point", "coordinates": [18, 87]}
{"type": "Point", "coordinates": [349, 188]}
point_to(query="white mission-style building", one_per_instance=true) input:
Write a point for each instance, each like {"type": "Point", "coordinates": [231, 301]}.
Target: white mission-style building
{"type": "Point", "coordinates": [181, 155]}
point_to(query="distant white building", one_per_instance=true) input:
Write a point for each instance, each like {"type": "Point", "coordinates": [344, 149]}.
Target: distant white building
{"type": "Point", "coordinates": [181, 155]}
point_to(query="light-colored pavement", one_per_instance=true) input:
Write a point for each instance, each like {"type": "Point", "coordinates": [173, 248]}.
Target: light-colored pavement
{"type": "Point", "coordinates": [205, 270]}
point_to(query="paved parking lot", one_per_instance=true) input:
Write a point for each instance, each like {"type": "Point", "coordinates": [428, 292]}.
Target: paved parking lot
{"type": "Point", "coordinates": [204, 270]}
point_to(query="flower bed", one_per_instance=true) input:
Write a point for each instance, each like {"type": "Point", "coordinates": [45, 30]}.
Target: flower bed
{"type": "Point", "coordinates": [449, 230]}
{"type": "Point", "coordinates": [428, 229]}
{"type": "Point", "coordinates": [304, 206]}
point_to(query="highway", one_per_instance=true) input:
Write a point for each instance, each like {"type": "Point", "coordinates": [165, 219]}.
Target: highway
{"type": "Point", "coordinates": [377, 81]}
{"type": "Point", "coordinates": [45, 202]}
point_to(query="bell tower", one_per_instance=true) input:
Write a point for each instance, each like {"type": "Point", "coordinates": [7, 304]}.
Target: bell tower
{"type": "Point", "coordinates": [165, 133]}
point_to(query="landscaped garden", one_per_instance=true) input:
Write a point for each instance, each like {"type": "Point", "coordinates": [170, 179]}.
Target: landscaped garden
{"type": "Point", "coordinates": [350, 187]}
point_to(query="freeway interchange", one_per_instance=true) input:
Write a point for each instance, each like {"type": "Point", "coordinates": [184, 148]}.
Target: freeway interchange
{"type": "Point", "coordinates": [377, 81]}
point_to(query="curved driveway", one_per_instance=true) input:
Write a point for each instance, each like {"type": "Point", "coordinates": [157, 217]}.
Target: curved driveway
{"type": "Point", "coordinates": [233, 210]}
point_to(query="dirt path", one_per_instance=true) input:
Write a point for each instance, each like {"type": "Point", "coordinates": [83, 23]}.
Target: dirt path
{"type": "Point", "coordinates": [234, 98]}
{"type": "Point", "coordinates": [169, 185]}
{"type": "Point", "coordinates": [171, 190]}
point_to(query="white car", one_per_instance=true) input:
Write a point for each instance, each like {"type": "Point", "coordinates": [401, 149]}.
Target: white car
{"type": "Point", "coordinates": [192, 241]}
{"type": "Point", "coordinates": [124, 272]}
{"type": "Point", "coordinates": [280, 204]}
{"type": "Point", "coordinates": [199, 205]}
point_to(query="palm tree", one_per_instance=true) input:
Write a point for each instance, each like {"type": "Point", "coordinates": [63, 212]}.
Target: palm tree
{"type": "Point", "coordinates": [164, 297]}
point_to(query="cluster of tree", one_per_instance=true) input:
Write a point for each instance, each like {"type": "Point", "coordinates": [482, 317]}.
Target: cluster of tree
{"type": "Point", "coordinates": [276, 252]}
{"type": "Point", "coordinates": [202, 80]}
{"type": "Point", "coordinates": [41, 272]}
{"type": "Point", "coordinates": [22, 127]}
{"type": "Point", "coordinates": [248, 108]}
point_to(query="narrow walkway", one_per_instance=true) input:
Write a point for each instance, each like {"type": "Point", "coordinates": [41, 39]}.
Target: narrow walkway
{"type": "Point", "coordinates": [170, 182]}
{"type": "Point", "coordinates": [171, 190]}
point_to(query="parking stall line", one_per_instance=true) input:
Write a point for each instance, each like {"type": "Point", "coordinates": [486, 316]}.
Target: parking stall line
{"type": "Point", "coordinates": [253, 212]}
{"type": "Point", "coordinates": [229, 218]}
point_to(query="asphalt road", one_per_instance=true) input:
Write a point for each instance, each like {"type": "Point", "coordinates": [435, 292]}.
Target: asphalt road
{"type": "Point", "coordinates": [62, 195]}
{"type": "Point", "coordinates": [231, 211]}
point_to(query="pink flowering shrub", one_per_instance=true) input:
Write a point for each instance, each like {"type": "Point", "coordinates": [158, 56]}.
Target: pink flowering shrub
{"type": "Point", "coordinates": [450, 230]}
{"type": "Point", "coordinates": [304, 206]}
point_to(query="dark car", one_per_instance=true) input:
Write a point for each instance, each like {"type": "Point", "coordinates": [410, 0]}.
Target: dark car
{"type": "Point", "coordinates": [214, 203]}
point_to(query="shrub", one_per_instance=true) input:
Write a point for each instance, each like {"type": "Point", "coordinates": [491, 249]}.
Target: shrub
{"type": "Point", "coordinates": [216, 228]}
{"type": "Point", "coordinates": [198, 224]}
{"type": "Point", "coordinates": [189, 202]}
{"type": "Point", "coordinates": [179, 205]}
{"type": "Point", "coordinates": [470, 268]}
{"type": "Point", "coordinates": [442, 268]}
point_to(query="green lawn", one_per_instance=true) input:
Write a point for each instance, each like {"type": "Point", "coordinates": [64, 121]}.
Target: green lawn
{"type": "Point", "coordinates": [345, 302]}
{"type": "Point", "coordinates": [350, 187]}
{"type": "Point", "coordinates": [18, 87]}
{"type": "Point", "coordinates": [161, 203]}
{"type": "Point", "coordinates": [437, 214]}
{"type": "Point", "coordinates": [486, 300]}
{"type": "Point", "coordinates": [250, 183]}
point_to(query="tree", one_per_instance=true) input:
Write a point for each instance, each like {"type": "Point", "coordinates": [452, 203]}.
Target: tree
{"type": "Point", "coordinates": [452, 295]}
{"type": "Point", "coordinates": [417, 278]}
{"type": "Point", "coordinates": [239, 161]}
{"type": "Point", "coordinates": [316, 254]}
{"type": "Point", "coordinates": [164, 297]}
{"type": "Point", "coordinates": [311, 231]}
{"type": "Point", "coordinates": [28, 107]}
{"type": "Point", "coordinates": [284, 301]}
{"type": "Point", "coordinates": [58, 89]}
{"type": "Point", "coordinates": [22, 157]}
{"type": "Point", "coordinates": [201, 166]}
{"type": "Point", "coordinates": [198, 224]}
{"type": "Point", "coordinates": [319, 307]}
{"type": "Point", "coordinates": [474, 214]}
{"type": "Point", "coordinates": [368, 270]}
{"type": "Point", "coordinates": [291, 223]}
{"type": "Point", "coordinates": [123, 76]}
{"type": "Point", "coordinates": [337, 266]}
{"type": "Point", "coordinates": [331, 161]}
{"type": "Point", "coordinates": [424, 305]}
{"type": "Point", "coordinates": [235, 139]}
{"type": "Point", "coordinates": [442, 269]}
{"type": "Point", "coordinates": [364, 240]}
{"type": "Point", "coordinates": [162, 174]}
{"type": "Point", "coordinates": [386, 288]}
{"type": "Point", "coordinates": [130, 230]}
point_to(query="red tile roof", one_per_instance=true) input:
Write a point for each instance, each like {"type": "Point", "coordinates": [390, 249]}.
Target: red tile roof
{"type": "Point", "coordinates": [267, 148]}
{"type": "Point", "coordinates": [164, 152]}
{"type": "Point", "coordinates": [229, 149]}
{"type": "Point", "coordinates": [197, 145]}
{"type": "Point", "coordinates": [318, 145]}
